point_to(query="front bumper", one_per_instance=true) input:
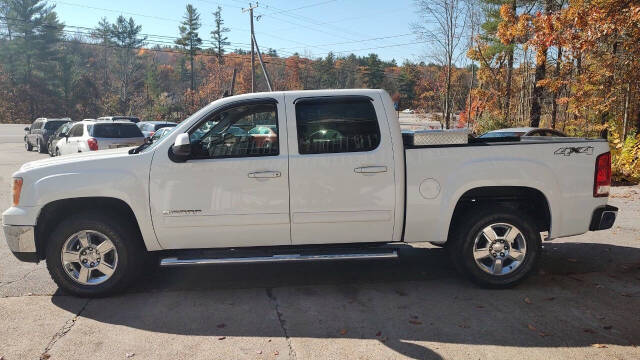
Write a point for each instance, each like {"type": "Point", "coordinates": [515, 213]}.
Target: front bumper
{"type": "Point", "coordinates": [603, 218]}
{"type": "Point", "coordinates": [22, 242]}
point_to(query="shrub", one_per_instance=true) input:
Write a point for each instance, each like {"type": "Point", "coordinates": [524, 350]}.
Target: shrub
{"type": "Point", "coordinates": [625, 158]}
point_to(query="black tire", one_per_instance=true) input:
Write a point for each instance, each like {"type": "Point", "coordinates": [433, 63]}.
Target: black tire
{"type": "Point", "coordinates": [27, 145]}
{"type": "Point", "coordinates": [132, 255]}
{"type": "Point", "coordinates": [41, 149]}
{"type": "Point", "coordinates": [56, 152]}
{"type": "Point", "coordinates": [461, 248]}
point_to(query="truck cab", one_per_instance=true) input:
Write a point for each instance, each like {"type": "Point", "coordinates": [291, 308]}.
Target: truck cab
{"type": "Point", "coordinates": [327, 176]}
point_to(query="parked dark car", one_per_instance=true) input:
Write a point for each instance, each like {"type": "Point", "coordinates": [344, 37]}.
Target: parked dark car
{"type": "Point", "coordinates": [133, 119]}
{"type": "Point", "coordinates": [149, 128]}
{"type": "Point", "coordinates": [59, 134]}
{"type": "Point", "coordinates": [37, 135]}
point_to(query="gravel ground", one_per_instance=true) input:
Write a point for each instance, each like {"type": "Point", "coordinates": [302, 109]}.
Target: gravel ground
{"type": "Point", "coordinates": [581, 304]}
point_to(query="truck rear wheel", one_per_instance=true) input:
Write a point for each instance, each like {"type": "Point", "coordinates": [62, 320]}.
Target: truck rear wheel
{"type": "Point", "coordinates": [495, 246]}
{"type": "Point", "coordinates": [93, 255]}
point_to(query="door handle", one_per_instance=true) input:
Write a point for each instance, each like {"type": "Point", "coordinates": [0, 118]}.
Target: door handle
{"type": "Point", "coordinates": [265, 174]}
{"type": "Point", "coordinates": [370, 169]}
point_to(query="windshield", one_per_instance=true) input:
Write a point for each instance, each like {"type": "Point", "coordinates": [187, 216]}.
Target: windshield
{"type": "Point", "coordinates": [499, 134]}
{"type": "Point", "coordinates": [54, 124]}
{"type": "Point", "coordinates": [115, 130]}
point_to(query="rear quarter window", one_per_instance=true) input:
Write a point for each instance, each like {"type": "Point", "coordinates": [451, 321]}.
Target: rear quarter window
{"type": "Point", "coordinates": [115, 131]}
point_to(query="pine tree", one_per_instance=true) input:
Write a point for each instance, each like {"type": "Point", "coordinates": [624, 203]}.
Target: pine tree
{"type": "Point", "coordinates": [126, 37]}
{"type": "Point", "coordinates": [103, 33]}
{"type": "Point", "coordinates": [189, 38]}
{"type": "Point", "coordinates": [373, 72]}
{"type": "Point", "coordinates": [219, 40]}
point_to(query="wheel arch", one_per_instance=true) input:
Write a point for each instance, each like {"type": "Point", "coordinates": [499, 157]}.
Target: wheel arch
{"type": "Point", "coordinates": [55, 211]}
{"type": "Point", "coordinates": [527, 199]}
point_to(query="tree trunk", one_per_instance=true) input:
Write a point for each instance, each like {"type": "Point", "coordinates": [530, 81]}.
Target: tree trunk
{"type": "Point", "coordinates": [626, 111]}
{"type": "Point", "coordinates": [507, 103]}
{"type": "Point", "coordinates": [193, 75]}
{"type": "Point", "coordinates": [447, 100]}
{"type": "Point", "coordinates": [541, 72]}
{"type": "Point", "coordinates": [554, 105]}
{"type": "Point", "coordinates": [536, 96]}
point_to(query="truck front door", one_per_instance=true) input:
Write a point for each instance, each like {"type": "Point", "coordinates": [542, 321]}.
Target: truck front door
{"type": "Point", "coordinates": [341, 168]}
{"type": "Point", "coordinates": [233, 191]}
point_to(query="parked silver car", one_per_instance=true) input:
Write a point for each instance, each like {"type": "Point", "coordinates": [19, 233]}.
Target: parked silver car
{"type": "Point", "coordinates": [150, 127]}
{"type": "Point", "coordinates": [91, 135]}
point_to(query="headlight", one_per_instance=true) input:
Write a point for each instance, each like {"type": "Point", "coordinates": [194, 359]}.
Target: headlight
{"type": "Point", "coordinates": [17, 188]}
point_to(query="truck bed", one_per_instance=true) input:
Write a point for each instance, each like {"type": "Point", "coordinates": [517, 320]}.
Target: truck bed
{"type": "Point", "coordinates": [562, 169]}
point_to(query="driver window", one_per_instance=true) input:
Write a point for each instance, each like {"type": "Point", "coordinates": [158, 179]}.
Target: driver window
{"type": "Point", "coordinates": [242, 131]}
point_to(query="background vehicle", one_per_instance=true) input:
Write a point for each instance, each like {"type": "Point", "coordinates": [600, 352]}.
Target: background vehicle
{"type": "Point", "coordinates": [148, 128]}
{"type": "Point", "coordinates": [91, 135]}
{"type": "Point", "coordinates": [133, 119]}
{"type": "Point", "coordinates": [59, 134]}
{"type": "Point", "coordinates": [523, 131]}
{"type": "Point", "coordinates": [202, 195]}
{"type": "Point", "coordinates": [160, 133]}
{"type": "Point", "coordinates": [38, 133]}
{"type": "Point", "coordinates": [263, 135]}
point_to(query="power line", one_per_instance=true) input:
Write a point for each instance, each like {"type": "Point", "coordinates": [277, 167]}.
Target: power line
{"type": "Point", "coordinates": [355, 41]}
{"type": "Point", "coordinates": [298, 8]}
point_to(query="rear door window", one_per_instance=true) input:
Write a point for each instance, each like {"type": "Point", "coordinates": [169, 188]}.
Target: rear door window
{"type": "Point", "coordinates": [336, 125]}
{"type": "Point", "coordinates": [115, 130]}
{"type": "Point", "coordinates": [76, 131]}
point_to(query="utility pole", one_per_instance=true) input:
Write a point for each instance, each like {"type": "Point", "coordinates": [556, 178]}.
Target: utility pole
{"type": "Point", "coordinates": [264, 68]}
{"type": "Point", "coordinates": [253, 69]}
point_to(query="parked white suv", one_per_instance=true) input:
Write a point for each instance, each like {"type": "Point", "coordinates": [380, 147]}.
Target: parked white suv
{"type": "Point", "coordinates": [336, 180]}
{"type": "Point", "coordinates": [91, 135]}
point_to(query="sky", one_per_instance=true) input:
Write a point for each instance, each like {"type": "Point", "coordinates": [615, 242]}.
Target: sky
{"type": "Point", "coordinates": [309, 27]}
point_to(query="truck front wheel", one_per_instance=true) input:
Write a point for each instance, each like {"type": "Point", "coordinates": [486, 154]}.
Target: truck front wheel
{"type": "Point", "coordinates": [495, 247]}
{"type": "Point", "coordinates": [93, 255]}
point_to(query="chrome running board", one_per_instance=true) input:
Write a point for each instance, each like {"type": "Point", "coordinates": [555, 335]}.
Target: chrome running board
{"type": "Point", "coordinates": [176, 261]}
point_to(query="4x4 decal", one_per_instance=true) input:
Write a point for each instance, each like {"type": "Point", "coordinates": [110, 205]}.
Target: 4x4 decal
{"type": "Point", "coordinates": [567, 151]}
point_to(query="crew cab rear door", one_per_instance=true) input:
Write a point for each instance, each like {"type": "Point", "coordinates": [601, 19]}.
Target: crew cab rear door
{"type": "Point", "coordinates": [341, 169]}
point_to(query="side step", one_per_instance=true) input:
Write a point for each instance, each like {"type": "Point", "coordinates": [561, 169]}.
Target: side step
{"type": "Point", "coordinates": [352, 254]}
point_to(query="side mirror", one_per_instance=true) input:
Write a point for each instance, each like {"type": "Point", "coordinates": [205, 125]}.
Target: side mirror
{"type": "Point", "coordinates": [26, 129]}
{"type": "Point", "coordinates": [182, 145]}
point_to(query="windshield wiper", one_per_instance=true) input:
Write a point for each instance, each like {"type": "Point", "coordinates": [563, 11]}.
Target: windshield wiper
{"type": "Point", "coordinates": [139, 148]}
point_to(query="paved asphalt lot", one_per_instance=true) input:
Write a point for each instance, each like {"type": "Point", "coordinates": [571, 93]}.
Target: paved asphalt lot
{"type": "Point", "coordinates": [583, 303]}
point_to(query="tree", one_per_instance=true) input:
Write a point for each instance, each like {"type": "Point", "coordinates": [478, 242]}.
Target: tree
{"type": "Point", "coordinates": [34, 32]}
{"type": "Point", "coordinates": [126, 37]}
{"type": "Point", "coordinates": [103, 33]}
{"type": "Point", "coordinates": [373, 71]}
{"type": "Point", "coordinates": [217, 34]}
{"type": "Point", "coordinates": [446, 34]}
{"type": "Point", "coordinates": [189, 38]}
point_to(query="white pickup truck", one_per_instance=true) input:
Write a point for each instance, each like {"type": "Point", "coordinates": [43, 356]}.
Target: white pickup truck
{"type": "Point", "coordinates": [289, 176]}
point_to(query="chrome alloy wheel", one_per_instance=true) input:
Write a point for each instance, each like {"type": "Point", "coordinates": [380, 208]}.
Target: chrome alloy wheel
{"type": "Point", "coordinates": [499, 249]}
{"type": "Point", "coordinates": [89, 257]}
